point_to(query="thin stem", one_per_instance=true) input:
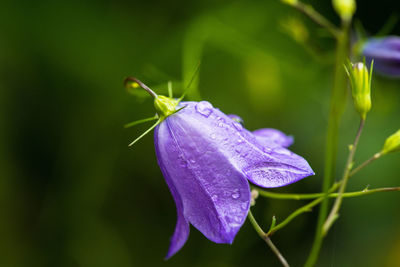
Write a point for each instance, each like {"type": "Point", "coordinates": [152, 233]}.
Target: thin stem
{"type": "Point", "coordinates": [137, 83]}
{"type": "Point", "coordinates": [267, 240]}
{"type": "Point", "coordinates": [317, 18]}
{"type": "Point", "coordinates": [269, 194]}
{"type": "Point", "coordinates": [309, 206]}
{"type": "Point", "coordinates": [333, 215]}
{"type": "Point", "coordinates": [140, 121]}
{"type": "Point", "coordinates": [365, 163]}
{"type": "Point", "coordinates": [320, 195]}
{"type": "Point", "coordinates": [301, 210]}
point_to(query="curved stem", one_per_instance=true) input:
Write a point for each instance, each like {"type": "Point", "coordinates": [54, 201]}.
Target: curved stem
{"type": "Point", "coordinates": [333, 215]}
{"type": "Point", "coordinates": [267, 240]}
{"type": "Point", "coordinates": [134, 82]}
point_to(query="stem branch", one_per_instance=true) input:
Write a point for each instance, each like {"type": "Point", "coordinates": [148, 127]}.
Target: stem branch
{"type": "Point", "coordinates": [267, 240]}
{"type": "Point", "coordinates": [333, 215]}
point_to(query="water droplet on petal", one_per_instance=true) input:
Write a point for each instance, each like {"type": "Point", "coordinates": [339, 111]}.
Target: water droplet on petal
{"type": "Point", "coordinates": [267, 150]}
{"type": "Point", "coordinates": [245, 205]}
{"type": "Point", "coordinates": [214, 197]}
{"type": "Point", "coordinates": [182, 161]}
{"type": "Point", "coordinates": [237, 125]}
{"type": "Point", "coordinates": [221, 122]}
{"type": "Point", "coordinates": [204, 108]}
{"type": "Point", "coordinates": [282, 151]}
{"type": "Point", "coordinates": [192, 161]}
{"type": "Point", "coordinates": [213, 136]}
{"type": "Point", "coordinates": [235, 194]}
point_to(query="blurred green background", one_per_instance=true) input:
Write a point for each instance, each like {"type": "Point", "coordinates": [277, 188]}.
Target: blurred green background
{"type": "Point", "coordinates": [73, 194]}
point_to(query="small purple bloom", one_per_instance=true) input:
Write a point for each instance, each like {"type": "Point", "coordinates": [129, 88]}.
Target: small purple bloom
{"type": "Point", "coordinates": [207, 157]}
{"type": "Point", "coordinates": [386, 54]}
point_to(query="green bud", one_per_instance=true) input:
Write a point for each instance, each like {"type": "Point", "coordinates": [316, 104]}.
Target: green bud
{"type": "Point", "coordinates": [165, 106]}
{"type": "Point", "coordinates": [392, 143]}
{"type": "Point", "coordinates": [289, 2]}
{"type": "Point", "coordinates": [344, 8]}
{"type": "Point", "coordinates": [360, 87]}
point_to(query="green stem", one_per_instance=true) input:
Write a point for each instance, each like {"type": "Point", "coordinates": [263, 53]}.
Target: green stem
{"type": "Point", "coordinates": [336, 109]}
{"type": "Point", "coordinates": [267, 240]}
{"type": "Point", "coordinates": [317, 18]}
{"type": "Point", "coordinates": [270, 194]}
{"type": "Point", "coordinates": [303, 209]}
{"type": "Point", "coordinates": [365, 163]}
{"type": "Point", "coordinates": [333, 215]}
{"type": "Point", "coordinates": [309, 206]}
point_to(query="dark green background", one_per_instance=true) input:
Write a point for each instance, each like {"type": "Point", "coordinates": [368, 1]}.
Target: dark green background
{"type": "Point", "coordinates": [73, 194]}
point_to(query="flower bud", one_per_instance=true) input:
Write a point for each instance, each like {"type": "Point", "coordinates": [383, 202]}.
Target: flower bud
{"type": "Point", "coordinates": [360, 87]}
{"type": "Point", "coordinates": [386, 54]}
{"type": "Point", "coordinates": [289, 2]}
{"type": "Point", "coordinates": [345, 8]}
{"type": "Point", "coordinates": [392, 143]}
{"type": "Point", "coordinates": [165, 106]}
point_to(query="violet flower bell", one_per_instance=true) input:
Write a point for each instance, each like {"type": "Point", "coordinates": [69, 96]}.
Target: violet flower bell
{"type": "Point", "coordinates": [207, 159]}
{"type": "Point", "coordinates": [386, 54]}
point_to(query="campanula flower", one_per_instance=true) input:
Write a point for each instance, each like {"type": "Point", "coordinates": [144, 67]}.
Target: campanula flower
{"type": "Point", "coordinates": [386, 54]}
{"type": "Point", "coordinates": [207, 159]}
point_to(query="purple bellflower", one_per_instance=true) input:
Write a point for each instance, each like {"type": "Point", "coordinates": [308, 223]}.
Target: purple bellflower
{"type": "Point", "coordinates": [207, 159]}
{"type": "Point", "coordinates": [386, 54]}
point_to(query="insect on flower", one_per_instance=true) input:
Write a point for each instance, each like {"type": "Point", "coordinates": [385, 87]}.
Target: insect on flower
{"type": "Point", "coordinates": [207, 159]}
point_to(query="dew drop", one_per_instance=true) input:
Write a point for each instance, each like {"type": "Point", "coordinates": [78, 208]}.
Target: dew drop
{"type": "Point", "coordinates": [214, 197]}
{"type": "Point", "coordinates": [266, 149]}
{"type": "Point", "coordinates": [235, 194]}
{"type": "Point", "coordinates": [244, 205]}
{"type": "Point", "coordinates": [282, 151]}
{"type": "Point", "coordinates": [213, 136]}
{"type": "Point", "coordinates": [221, 122]}
{"type": "Point", "coordinates": [182, 161]}
{"type": "Point", "coordinates": [204, 108]}
{"type": "Point", "coordinates": [237, 125]}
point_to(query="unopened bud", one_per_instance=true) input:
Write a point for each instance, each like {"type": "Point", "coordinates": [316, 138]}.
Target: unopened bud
{"type": "Point", "coordinates": [345, 8]}
{"type": "Point", "coordinates": [289, 2]}
{"type": "Point", "coordinates": [254, 196]}
{"type": "Point", "coordinates": [392, 143]}
{"type": "Point", "coordinates": [165, 106]}
{"type": "Point", "coordinates": [360, 87]}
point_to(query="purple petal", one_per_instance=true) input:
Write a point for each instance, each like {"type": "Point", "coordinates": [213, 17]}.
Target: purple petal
{"type": "Point", "coordinates": [181, 233]}
{"type": "Point", "coordinates": [264, 165]}
{"type": "Point", "coordinates": [386, 54]}
{"type": "Point", "coordinates": [267, 135]}
{"type": "Point", "coordinates": [215, 196]}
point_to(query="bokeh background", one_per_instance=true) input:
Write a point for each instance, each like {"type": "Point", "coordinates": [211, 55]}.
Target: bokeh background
{"type": "Point", "coordinates": [73, 194]}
